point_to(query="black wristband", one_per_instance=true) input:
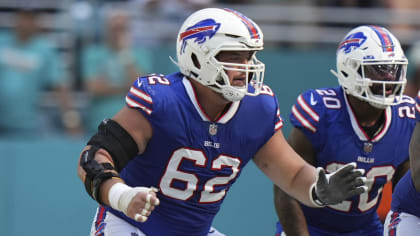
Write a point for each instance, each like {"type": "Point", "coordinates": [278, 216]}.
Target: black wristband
{"type": "Point", "coordinates": [96, 173]}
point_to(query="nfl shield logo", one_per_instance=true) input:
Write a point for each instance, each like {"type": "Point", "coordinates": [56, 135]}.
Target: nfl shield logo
{"type": "Point", "coordinates": [212, 129]}
{"type": "Point", "coordinates": [368, 147]}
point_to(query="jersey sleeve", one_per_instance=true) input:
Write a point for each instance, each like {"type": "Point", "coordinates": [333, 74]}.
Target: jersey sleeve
{"type": "Point", "coordinates": [139, 97]}
{"type": "Point", "coordinates": [307, 113]}
{"type": "Point", "coordinates": [278, 120]}
{"type": "Point", "coordinates": [268, 113]}
{"type": "Point", "coordinates": [269, 97]}
{"type": "Point", "coordinates": [418, 106]}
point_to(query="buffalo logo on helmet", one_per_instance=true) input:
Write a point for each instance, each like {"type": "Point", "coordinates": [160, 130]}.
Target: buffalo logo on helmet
{"type": "Point", "coordinates": [201, 31]}
{"type": "Point", "coordinates": [352, 41]}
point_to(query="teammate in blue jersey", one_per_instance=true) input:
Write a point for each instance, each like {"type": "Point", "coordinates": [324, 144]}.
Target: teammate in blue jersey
{"type": "Point", "coordinates": [164, 163]}
{"type": "Point", "coordinates": [404, 216]}
{"type": "Point", "coordinates": [366, 119]}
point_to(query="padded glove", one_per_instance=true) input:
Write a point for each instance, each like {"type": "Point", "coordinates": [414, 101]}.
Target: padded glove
{"type": "Point", "coordinates": [333, 188]}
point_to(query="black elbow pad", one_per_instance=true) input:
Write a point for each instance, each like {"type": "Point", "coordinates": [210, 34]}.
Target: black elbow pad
{"type": "Point", "coordinates": [117, 141]}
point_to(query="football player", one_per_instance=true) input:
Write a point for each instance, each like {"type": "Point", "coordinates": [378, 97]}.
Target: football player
{"type": "Point", "coordinates": [404, 216]}
{"type": "Point", "coordinates": [164, 163]}
{"type": "Point", "coordinates": [366, 119]}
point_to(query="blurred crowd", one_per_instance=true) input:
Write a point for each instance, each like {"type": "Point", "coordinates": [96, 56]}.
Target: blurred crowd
{"type": "Point", "coordinates": [30, 64]}
{"type": "Point", "coordinates": [108, 55]}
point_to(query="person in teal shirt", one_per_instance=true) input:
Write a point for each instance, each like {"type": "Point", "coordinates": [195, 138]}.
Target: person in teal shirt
{"type": "Point", "coordinates": [29, 63]}
{"type": "Point", "coordinates": [109, 68]}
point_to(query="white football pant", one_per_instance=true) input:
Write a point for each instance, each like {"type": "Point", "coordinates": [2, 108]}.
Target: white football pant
{"type": "Point", "coordinates": [115, 226]}
{"type": "Point", "coordinates": [401, 224]}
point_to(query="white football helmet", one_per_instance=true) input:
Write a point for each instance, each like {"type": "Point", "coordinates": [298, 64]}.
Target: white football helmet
{"type": "Point", "coordinates": [209, 31]}
{"type": "Point", "coordinates": [371, 66]}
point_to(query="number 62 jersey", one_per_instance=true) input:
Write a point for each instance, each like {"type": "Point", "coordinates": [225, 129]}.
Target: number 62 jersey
{"type": "Point", "coordinates": [327, 120]}
{"type": "Point", "coordinates": [191, 159]}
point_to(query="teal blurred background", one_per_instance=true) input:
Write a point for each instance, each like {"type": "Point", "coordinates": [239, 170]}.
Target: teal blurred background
{"type": "Point", "coordinates": [42, 195]}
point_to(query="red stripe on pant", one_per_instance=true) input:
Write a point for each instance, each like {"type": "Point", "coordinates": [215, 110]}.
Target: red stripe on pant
{"type": "Point", "coordinates": [392, 227]}
{"type": "Point", "coordinates": [99, 219]}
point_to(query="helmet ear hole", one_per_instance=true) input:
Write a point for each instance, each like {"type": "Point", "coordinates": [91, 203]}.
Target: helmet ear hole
{"type": "Point", "coordinates": [359, 71]}
{"type": "Point", "coordinates": [195, 61]}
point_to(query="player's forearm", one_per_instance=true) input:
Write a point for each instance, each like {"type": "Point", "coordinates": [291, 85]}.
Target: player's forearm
{"type": "Point", "coordinates": [297, 183]}
{"type": "Point", "coordinates": [286, 168]}
{"type": "Point", "coordinates": [290, 214]}
{"type": "Point", "coordinates": [415, 156]}
{"type": "Point", "coordinates": [295, 178]}
{"type": "Point", "coordinates": [301, 184]}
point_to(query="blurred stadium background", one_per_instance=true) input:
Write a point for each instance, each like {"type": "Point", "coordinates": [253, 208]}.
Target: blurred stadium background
{"type": "Point", "coordinates": [40, 192]}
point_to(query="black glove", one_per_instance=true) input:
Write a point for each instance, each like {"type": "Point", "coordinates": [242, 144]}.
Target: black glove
{"type": "Point", "coordinates": [330, 189]}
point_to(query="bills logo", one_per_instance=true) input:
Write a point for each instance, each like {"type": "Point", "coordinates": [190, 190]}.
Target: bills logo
{"type": "Point", "coordinates": [201, 31]}
{"type": "Point", "coordinates": [352, 41]}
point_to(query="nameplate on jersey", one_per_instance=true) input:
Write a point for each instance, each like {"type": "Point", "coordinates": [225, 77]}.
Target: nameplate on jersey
{"type": "Point", "coordinates": [211, 144]}
{"type": "Point", "coordinates": [365, 159]}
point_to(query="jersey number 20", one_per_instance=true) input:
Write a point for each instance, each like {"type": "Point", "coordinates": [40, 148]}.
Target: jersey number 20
{"type": "Point", "coordinates": [365, 203]}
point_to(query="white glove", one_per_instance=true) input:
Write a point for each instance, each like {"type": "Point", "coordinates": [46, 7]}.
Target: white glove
{"type": "Point", "coordinates": [120, 196]}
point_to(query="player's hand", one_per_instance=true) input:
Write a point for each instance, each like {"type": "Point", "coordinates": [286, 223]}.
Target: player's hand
{"type": "Point", "coordinates": [142, 204]}
{"type": "Point", "coordinates": [340, 185]}
{"type": "Point", "coordinates": [137, 203]}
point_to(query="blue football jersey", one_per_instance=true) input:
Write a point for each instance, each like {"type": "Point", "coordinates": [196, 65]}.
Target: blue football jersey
{"type": "Point", "coordinates": [192, 160]}
{"type": "Point", "coordinates": [327, 120]}
{"type": "Point", "coordinates": [405, 197]}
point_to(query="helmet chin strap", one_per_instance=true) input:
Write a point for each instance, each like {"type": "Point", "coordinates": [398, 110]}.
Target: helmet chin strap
{"type": "Point", "coordinates": [228, 92]}
{"type": "Point", "coordinates": [232, 94]}
{"type": "Point", "coordinates": [377, 105]}
{"type": "Point", "coordinates": [372, 103]}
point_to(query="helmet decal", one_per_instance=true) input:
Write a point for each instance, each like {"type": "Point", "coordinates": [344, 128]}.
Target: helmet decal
{"type": "Point", "coordinates": [387, 44]}
{"type": "Point", "coordinates": [253, 31]}
{"type": "Point", "coordinates": [201, 31]}
{"type": "Point", "coordinates": [352, 42]}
